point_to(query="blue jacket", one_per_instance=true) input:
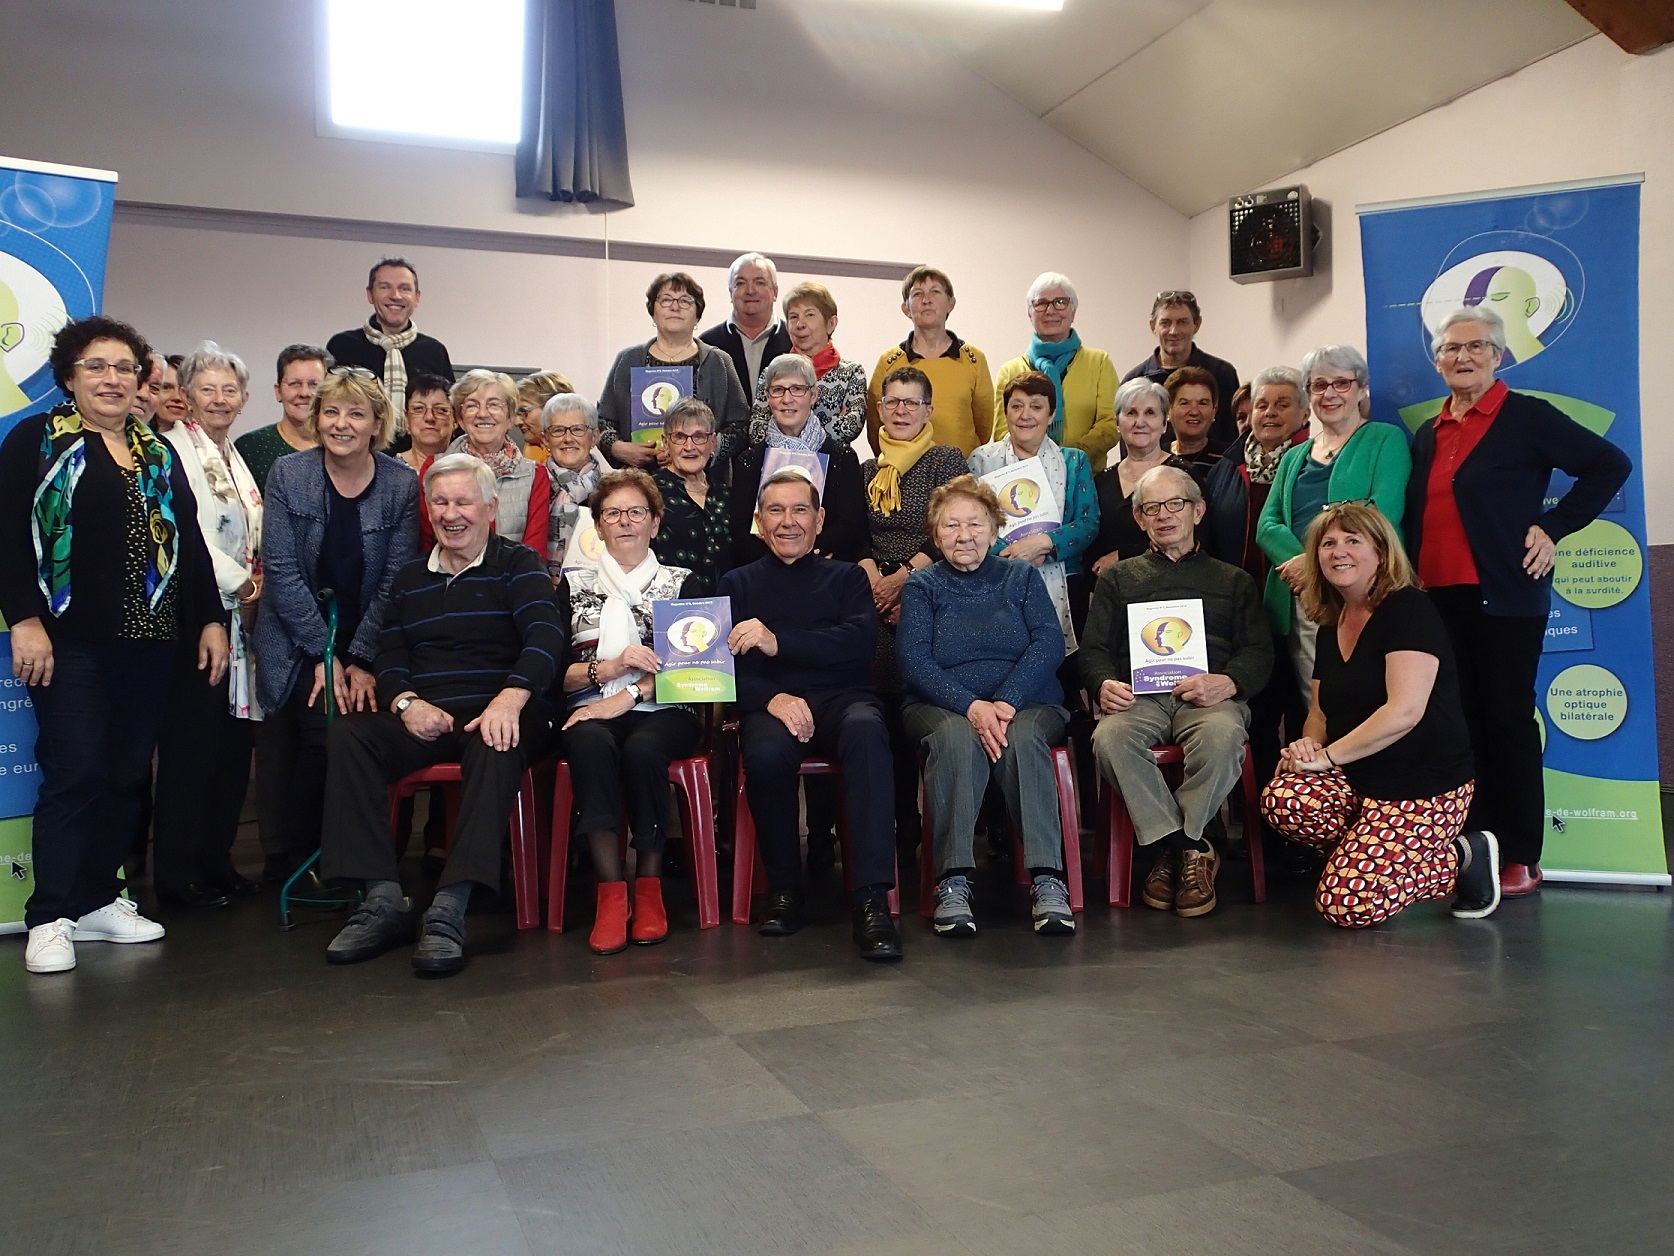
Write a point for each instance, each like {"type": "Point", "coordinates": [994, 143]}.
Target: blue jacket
{"type": "Point", "coordinates": [291, 627]}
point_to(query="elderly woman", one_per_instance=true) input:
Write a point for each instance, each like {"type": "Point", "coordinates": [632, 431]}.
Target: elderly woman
{"type": "Point", "coordinates": [1193, 400]}
{"type": "Point", "coordinates": [570, 426]}
{"type": "Point", "coordinates": [1243, 405]}
{"type": "Point", "coordinates": [675, 303]}
{"type": "Point", "coordinates": [1030, 402]}
{"type": "Point", "coordinates": [484, 403]}
{"type": "Point", "coordinates": [1085, 378]}
{"type": "Point", "coordinates": [533, 392]}
{"type": "Point", "coordinates": [203, 756]}
{"type": "Point", "coordinates": [1484, 537]}
{"type": "Point", "coordinates": [103, 570]}
{"type": "Point", "coordinates": [1141, 417]}
{"type": "Point", "coordinates": [1380, 779]}
{"type": "Point", "coordinates": [789, 384]}
{"type": "Point", "coordinates": [338, 522]}
{"type": "Point", "coordinates": [430, 422]}
{"type": "Point", "coordinates": [697, 506]}
{"type": "Point", "coordinates": [840, 397]}
{"type": "Point", "coordinates": [618, 739]}
{"type": "Point", "coordinates": [979, 646]}
{"type": "Point", "coordinates": [171, 401]}
{"type": "Point", "coordinates": [1351, 459]}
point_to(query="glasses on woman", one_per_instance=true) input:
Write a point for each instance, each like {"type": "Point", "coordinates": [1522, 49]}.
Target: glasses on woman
{"type": "Point", "coordinates": [492, 406]}
{"type": "Point", "coordinates": [1468, 348]}
{"type": "Point", "coordinates": [567, 429]}
{"type": "Point", "coordinates": [690, 438]}
{"type": "Point", "coordinates": [633, 514]}
{"type": "Point", "coordinates": [1174, 505]}
{"type": "Point", "coordinates": [1042, 304]}
{"type": "Point", "coordinates": [675, 303]}
{"type": "Point", "coordinates": [126, 368]}
{"type": "Point", "coordinates": [1342, 384]}
{"type": "Point", "coordinates": [909, 405]}
{"type": "Point", "coordinates": [778, 391]}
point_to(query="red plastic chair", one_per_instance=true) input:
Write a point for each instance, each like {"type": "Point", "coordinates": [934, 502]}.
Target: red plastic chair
{"type": "Point", "coordinates": [525, 833]}
{"type": "Point", "coordinates": [1069, 818]}
{"type": "Point", "coordinates": [1116, 827]}
{"type": "Point", "coordinates": [691, 780]}
{"type": "Point", "coordinates": [747, 867]}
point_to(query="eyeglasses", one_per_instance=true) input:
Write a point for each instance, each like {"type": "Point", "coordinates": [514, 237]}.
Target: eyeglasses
{"type": "Point", "coordinates": [1353, 501]}
{"type": "Point", "coordinates": [492, 406]}
{"type": "Point", "coordinates": [675, 303]}
{"type": "Point", "coordinates": [126, 369]}
{"type": "Point", "coordinates": [1174, 505]}
{"type": "Point", "coordinates": [912, 405]}
{"type": "Point", "coordinates": [690, 438]}
{"type": "Point", "coordinates": [1342, 384]}
{"type": "Point", "coordinates": [633, 514]}
{"type": "Point", "coordinates": [1043, 304]}
{"type": "Point", "coordinates": [351, 372]}
{"type": "Point", "coordinates": [1473, 348]}
{"type": "Point", "coordinates": [440, 410]}
{"type": "Point", "coordinates": [558, 432]}
{"type": "Point", "coordinates": [778, 391]}
{"type": "Point", "coordinates": [1176, 296]}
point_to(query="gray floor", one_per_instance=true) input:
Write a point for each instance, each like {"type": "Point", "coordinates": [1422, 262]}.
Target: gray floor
{"type": "Point", "coordinates": [1251, 1082]}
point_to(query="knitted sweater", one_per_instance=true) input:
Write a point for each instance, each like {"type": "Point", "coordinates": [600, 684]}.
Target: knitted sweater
{"type": "Point", "coordinates": [1240, 645]}
{"type": "Point", "coordinates": [1088, 405]}
{"type": "Point", "coordinates": [961, 393]}
{"type": "Point", "coordinates": [991, 634]}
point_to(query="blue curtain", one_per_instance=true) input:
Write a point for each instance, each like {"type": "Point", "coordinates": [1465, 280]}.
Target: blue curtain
{"type": "Point", "coordinates": [575, 143]}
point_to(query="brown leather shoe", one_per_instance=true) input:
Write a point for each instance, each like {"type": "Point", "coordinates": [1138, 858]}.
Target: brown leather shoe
{"type": "Point", "coordinates": [1195, 895]}
{"type": "Point", "coordinates": [1159, 886]}
{"type": "Point", "coordinates": [1517, 880]}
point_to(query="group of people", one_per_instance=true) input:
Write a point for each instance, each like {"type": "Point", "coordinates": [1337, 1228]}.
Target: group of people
{"type": "Point", "coordinates": [407, 569]}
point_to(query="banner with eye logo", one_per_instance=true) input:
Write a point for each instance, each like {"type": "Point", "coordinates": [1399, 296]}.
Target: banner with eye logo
{"type": "Point", "coordinates": [54, 235]}
{"type": "Point", "coordinates": [1560, 265]}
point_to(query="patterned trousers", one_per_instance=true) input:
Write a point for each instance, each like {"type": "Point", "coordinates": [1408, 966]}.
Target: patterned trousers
{"type": "Point", "coordinates": [1385, 855]}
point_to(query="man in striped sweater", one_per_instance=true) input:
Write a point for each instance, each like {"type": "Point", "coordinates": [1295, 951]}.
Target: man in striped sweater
{"type": "Point", "coordinates": [471, 648]}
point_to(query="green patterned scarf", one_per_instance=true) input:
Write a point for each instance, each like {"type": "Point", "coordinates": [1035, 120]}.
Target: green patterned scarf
{"type": "Point", "coordinates": [63, 459]}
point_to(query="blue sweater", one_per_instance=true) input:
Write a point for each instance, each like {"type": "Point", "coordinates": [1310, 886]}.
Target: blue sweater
{"type": "Point", "coordinates": [989, 634]}
{"type": "Point", "coordinates": [820, 610]}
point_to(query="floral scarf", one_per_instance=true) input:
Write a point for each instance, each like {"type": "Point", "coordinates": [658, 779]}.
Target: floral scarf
{"type": "Point", "coordinates": [52, 524]}
{"type": "Point", "coordinates": [1262, 464]}
{"type": "Point", "coordinates": [570, 492]}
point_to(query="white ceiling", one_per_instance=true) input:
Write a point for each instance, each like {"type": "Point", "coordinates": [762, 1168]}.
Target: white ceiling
{"type": "Point", "coordinates": [1201, 100]}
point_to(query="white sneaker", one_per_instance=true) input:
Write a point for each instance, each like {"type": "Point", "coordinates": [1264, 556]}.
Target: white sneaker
{"type": "Point", "coordinates": [51, 949]}
{"type": "Point", "coordinates": [117, 922]}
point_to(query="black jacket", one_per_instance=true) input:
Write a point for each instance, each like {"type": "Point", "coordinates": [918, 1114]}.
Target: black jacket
{"type": "Point", "coordinates": [1501, 491]}
{"type": "Point", "coordinates": [724, 336]}
{"type": "Point", "coordinates": [426, 354]}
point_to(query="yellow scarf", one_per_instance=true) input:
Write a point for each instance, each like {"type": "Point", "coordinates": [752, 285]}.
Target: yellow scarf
{"type": "Point", "coordinates": [895, 459]}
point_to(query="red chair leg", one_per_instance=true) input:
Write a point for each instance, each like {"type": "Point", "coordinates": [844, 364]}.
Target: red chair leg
{"type": "Point", "coordinates": [526, 885]}
{"type": "Point", "coordinates": [1253, 829]}
{"type": "Point", "coordinates": [691, 779]}
{"type": "Point", "coordinates": [744, 855]}
{"type": "Point", "coordinates": [1120, 869]}
{"type": "Point", "coordinates": [558, 860]}
{"type": "Point", "coordinates": [1069, 817]}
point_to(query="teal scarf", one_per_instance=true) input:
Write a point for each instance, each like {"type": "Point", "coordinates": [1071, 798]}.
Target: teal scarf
{"type": "Point", "coordinates": [1052, 359]}
{"type": "Point", "coordinates": [52, 525]}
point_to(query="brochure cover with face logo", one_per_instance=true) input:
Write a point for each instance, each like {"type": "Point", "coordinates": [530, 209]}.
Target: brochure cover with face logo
{"type": "Point", "coordinates": [690, 637]}
{"type": "Point", "coordinates": [1166, 643]}
{"type": "Point", "coordinates": [652, 390]}
{"type": "Point", "coordinates": [1026, 499]}
{"type": "Point", "coordinates": [585, 546]}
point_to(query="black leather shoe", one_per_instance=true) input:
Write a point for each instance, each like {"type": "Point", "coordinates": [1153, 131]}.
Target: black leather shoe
{"type": "Point", "coordinates": [874, 932]}
{"type": "Point", "coordinates": [277, 869]}
{"type": "Point", "coordinates": [783, 916]}
{"type": "Point", "coordinates": [195, 895]}
{"type": "Point", "coordinates": [238, 886]}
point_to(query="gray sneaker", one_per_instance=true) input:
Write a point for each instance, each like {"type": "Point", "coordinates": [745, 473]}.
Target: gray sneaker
{"type": "Point", "coordinates": [441, 947]}
{"type": "Point", "coordinates": [374, 927]}
{"type": "Point", "coordinates": [1049, 906]}
{"type": "Point", "coordinates": [954, 918]}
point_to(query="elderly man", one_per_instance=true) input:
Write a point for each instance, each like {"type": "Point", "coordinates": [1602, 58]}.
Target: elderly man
{"type": "Point", "coordinates": [752, 337]}
{"type": "Point", "coordinates": [805, 633]}
{"type": "Point", "coordinates": [1175, 321]}
{"type": "Point", "coordinates": [469, 651]}
{"type": "Point", "coordinates": [958, 372]}
{"type": "Point", "coordinates": [388, 344]}
{"type": "Point", "coordinates": [1085, 378]}
{"type": "Point", "coordinates": [300, 370]}
{"type": "Point", "coordinates": [1483, 539]}
{"type": "Point", "coordinates": [1205, 715]}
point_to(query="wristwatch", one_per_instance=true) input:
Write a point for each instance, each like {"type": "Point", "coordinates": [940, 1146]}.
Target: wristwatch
{"type": "Point", "coordinates": [639, 694]}
{"type": "Point", "coordinates": [402, 703]}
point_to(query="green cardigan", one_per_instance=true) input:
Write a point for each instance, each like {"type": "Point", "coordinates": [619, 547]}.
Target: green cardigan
{"type": "Point", "coordinates": [1375, 463]}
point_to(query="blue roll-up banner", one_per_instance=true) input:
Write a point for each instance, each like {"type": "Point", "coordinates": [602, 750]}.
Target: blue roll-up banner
{"type": "Point", "coordinates": [1560, 265]}
{"type": "Point", "coordinates": [54, 235]}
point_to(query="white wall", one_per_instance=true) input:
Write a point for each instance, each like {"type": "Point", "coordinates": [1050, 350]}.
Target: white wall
{"type": "Point", "coordinates": [1586, 112]}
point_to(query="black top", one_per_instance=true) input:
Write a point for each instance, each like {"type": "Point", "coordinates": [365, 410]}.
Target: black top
{"type": "Point", "coordinates": [426, 354]}
{"type": "Point", "coordinates": [730, 341]}
{"type": "Point", "coordinates": [1225, 426]}
{"type": "Point", "coordinates": [343, 561]}
{"type": "Point", "coordinates": [845, 535]}
{"type": "Point", "coordinates": [1435, 755]}
{"type": "Point", "coordinates": [100, 550]}
{"type": "Point", "coordinates": [1119, 532]}
{"type": "Point", "coordinates": [692, 536]}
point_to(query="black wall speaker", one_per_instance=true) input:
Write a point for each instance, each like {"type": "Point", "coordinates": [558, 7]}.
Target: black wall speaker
{"type": "Point", "coordinates": [1272, 235]}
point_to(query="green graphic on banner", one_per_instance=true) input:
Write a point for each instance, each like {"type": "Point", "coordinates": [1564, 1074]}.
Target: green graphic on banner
{"type": "Point", "coordinates": [1597, 566]}
{"type": "Point", "coordinates": [1596, 825]}
{"type": "Point", "coordinates": [17, 870]}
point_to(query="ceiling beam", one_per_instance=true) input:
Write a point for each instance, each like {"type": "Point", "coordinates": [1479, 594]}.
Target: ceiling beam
{"type": "Point", "coordinates": [1637, 26]}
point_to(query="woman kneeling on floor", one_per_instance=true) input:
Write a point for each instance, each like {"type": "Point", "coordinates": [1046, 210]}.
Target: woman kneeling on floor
{"type": "Point", "coordinates": [1381, 778]}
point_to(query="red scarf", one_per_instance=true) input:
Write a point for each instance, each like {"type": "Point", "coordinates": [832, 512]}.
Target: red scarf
{"type": "Point", "coordinates": [824, 360]}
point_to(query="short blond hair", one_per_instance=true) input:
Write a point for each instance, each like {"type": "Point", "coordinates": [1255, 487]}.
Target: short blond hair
{"type": "Point", "coordinates": [538, 389]}
{"type": "Point", "coordinates": [967, 486]}
{"type": "Point", "coordinates": [353, 383]}
{"type": "Point", "coordinates": [808, 292]}
{"type": "Point", "coordinates": [1320, 600]}
{"type": "Point", "coordinates": [473, 382]}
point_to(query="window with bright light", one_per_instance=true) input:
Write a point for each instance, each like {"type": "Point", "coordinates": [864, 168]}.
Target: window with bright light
{"type": "Point", "coordinates": [434, 71]}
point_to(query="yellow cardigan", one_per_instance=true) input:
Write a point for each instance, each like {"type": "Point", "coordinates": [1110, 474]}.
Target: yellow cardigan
{"type": "Point", "coordinates": [1088, 404]}
{"type": "Point", "coordinates": [961, 395]}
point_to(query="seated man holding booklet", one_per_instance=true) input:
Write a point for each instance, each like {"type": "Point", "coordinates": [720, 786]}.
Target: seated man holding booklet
{"type": "Point", "coordinates": [1176, 644]}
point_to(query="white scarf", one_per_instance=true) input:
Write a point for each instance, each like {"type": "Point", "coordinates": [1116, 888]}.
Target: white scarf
{"type": "Point", "coordinates": [624, 593]}
{"type": "Point", "coordinates": [395, 366]}
{"type": "Point", "coordinates": [999, 454]}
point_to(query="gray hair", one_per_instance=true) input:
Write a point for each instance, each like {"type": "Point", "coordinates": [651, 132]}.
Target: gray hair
{"type": "Point", "coordinates": [474, 381]}
{"type": "Point", "coordinates": [209, 356]}
{"type": "Point", "coordinates": [690, 410]}
{"type": "Point", "coordinates": [467, 464]}
{"type": "Point", "coordinates": [1052, 279]}
{"type": "Point", "coordinates": [752, 259]}
{"type": "Point", "coordinates": [790, 364]}
{"type": "Point", "coordinates": [1337, 358]}
{"type": "Point", "coordinates": [789, 475]}
{"type": "Point", "coordinates": [1281, 375]}
{"type": "Point", "coordinates": [570, 403]}
{"type": "Point", "coordinates": [1135, 389]}
{"type": "Point", "coordinates": [1471, 314]}
{"type": "Point", "coordinates": [1192, 491]}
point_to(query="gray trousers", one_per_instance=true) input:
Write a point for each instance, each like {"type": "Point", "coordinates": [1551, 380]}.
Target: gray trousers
{"type": "Point", "coordinates": [1213, 741]}
{"type": "Point", "coordinates": [957, 771]}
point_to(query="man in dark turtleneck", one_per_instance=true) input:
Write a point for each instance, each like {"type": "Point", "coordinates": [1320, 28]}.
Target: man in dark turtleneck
{"type": "Point", "coordinates": [805, 633]}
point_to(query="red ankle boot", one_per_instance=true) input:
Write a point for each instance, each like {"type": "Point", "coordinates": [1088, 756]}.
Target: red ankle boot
{"type": "Point", "coordinates": [650, 920]}
{"type": "Point", "coordinates": [610, 923]}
